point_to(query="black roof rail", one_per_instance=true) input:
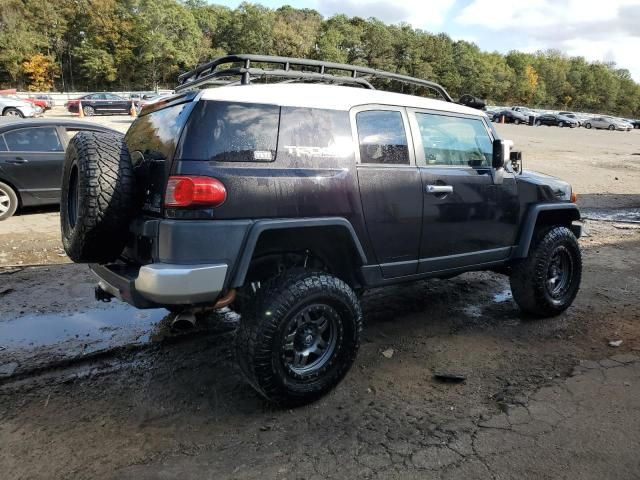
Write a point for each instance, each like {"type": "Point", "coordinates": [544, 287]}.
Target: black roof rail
{"type": "Point", "coordinates": [316, 70]}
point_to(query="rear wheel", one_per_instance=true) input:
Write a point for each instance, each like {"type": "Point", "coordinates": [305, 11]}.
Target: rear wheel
{"type": "Point", "coordinates": [13, 112]}
{"type": "Point", "coordinates": [299, 336]}
{"type": "Point", "coordinates": [517, 121]}
{"type": "Point", "coordinates": [538, 123]}
{"type": "Point", "coordinates": [587, 125]}
{"type": "Point", "coordinates": [612, 127]}
{"type": "Point", "coordinates": [8, 201]}
{"type": "Point", "coordinates": [546, 282]}
{"type": "Point", "coordinates": [88, 110]}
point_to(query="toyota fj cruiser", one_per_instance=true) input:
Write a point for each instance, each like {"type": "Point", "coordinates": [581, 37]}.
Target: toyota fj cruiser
{"type": "Point", "coordinates": [287, 199]}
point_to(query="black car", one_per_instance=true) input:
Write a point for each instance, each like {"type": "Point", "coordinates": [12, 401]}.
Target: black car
{"type": "Point", "coordinates": [556, 120]}
{"type": "Point", "coordinates": [31, 158]}
{"type": "Point", "coordinates": [510, 116]}
{"type": "Point", "coordinates": [285, 201]}
{"type": "Point", "coordinates": [101, 103]}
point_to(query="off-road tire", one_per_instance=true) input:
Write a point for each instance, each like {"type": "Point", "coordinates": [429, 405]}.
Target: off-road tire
{"type": "Point", "coordinates": [97, 200]}
{"type": "Point", "coordinates": [529, 277]}
{"type": "Point", "coordinates": [260, 338]}
{"type": "Point", "coordinates": [8, 200]}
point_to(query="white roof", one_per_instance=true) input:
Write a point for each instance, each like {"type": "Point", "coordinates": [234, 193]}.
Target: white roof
{"type": "Point", "coordinates": [330, 97]}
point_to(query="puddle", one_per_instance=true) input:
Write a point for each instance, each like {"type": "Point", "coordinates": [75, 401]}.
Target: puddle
{"type": "Point", "coordinates": [503, 296]}
{"type": "Point", "coordinates": [628, 215]}
{"type": "Point", "coordinates": [71, 335]}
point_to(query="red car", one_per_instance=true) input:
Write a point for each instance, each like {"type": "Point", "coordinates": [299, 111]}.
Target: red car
{"type": "Point", "coordinates": [43, 104]}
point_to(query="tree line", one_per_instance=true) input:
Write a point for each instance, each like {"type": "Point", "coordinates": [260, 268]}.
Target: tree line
{"type": "Point", "coordinates": [88, 45]}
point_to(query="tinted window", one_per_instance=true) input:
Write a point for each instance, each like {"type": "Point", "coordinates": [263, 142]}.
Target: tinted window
{"type": "Point", "coordinates": [111, 96]}
{"type": "Point", "coordinates": [3, 146]}
{"type": "Point", "coordinates": [156, 134]}
{"type": "Point", "coordinates": [314, 133]}
{"type": "Point", "coordinates": [231, 132]}
{"type": "Point", "coordinates": [44, 139]}
{"type": "Point", "coordinates": [382, 137]}
{"type": "Point", "coordinates": [454, 141]}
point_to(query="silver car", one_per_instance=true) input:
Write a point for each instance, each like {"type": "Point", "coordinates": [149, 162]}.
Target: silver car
{"type": "Point", "coordinates": [608, 123]}
{"type": "Point", "coordinates": [15, 107]}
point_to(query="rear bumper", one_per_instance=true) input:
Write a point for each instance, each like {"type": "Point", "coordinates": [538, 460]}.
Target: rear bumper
{"type": "Point", "coordinates": [161, 284]}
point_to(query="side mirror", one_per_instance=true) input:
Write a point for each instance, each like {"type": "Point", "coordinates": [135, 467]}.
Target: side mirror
{"type": "Point", "coordinates": [516, 160]}
{"type": "Point", "coordinates": [497, 161]}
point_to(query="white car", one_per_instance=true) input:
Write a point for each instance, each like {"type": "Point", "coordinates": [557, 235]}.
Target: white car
{"type": "Point", "coordinates": [608, 123]}
{"type": "Point", "coordinates": [14, 107]}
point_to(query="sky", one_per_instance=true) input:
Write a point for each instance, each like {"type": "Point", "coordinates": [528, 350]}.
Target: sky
{"type": "Point", "coordinates": [599, 30]}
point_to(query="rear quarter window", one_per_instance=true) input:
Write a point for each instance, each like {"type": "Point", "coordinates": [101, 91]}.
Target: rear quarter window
{"type": "Point", "coordinates": [156, 134]}
{"type": "Point", "coordinates": [231, 132]}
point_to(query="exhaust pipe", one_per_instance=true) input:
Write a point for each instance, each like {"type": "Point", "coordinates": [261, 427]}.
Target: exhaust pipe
{"type": "Point", "coordinates": [187, 319]}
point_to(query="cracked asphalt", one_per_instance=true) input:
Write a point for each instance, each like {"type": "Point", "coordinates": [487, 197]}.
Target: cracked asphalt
{"type": "Point", "coordinates": [586, 426]}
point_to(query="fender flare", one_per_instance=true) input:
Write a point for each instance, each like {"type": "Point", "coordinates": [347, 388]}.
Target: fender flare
{"type": "Point", "coordinates": [261, 226]}
{"type": "Point", "coordinates": [529, 226]}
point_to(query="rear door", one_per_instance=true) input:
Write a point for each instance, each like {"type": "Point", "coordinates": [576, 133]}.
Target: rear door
{"type": "Point", "coordinates": [33, 160]}
{"type": "Point", "coordinates": [117, 104]}
{"type": "Point", "coordinates": [390, 187]}
{"type": "Point", "coordinates": [470, 210]}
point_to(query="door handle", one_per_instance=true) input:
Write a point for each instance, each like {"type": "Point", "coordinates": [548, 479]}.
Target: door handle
{"type": "Point", "coordinates": [17, 160]}
{"type": "Point", "coordinates": [439, 189]}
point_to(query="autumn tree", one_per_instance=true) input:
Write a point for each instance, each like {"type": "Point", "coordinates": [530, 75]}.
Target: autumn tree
{"type": "Point", "coordinates": [40, 70]}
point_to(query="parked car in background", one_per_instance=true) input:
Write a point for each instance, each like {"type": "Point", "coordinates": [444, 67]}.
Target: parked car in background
{"type": "Point", "coordinates": [31, 158]}
{"type": "Point", "coordinates": [635, 123]}
{"type": "Point", "coordinates": [48, 100]}
{"type": "Point", "coordinates": [12, 106]}
{"type": "Point", "coordinates": [510, 116]}
{"type": "Point", "coordinates": [608, 123]}
{"type": "Point", "coordinates": [101, 103]}
{"type": "Point", "coordinates": [572, 115]}
{"type": "Point", "coordinates": [527, 112]}
{"type": "Point", "coordinates": [554, 119]}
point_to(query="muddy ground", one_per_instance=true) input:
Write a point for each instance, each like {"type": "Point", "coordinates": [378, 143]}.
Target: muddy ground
{"type": "Point", "coordinates": [103, 391]}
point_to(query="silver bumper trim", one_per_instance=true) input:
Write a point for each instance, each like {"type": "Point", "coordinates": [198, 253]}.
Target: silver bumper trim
{"type": "Point", "coordinates": [180, 284]}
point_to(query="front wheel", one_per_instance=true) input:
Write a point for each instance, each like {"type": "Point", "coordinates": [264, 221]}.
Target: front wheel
{"type": "Point", "coordinates": [561, 124]}
{"type": "Point", "coordinates": [299, 336]}
{"type": "Point", "coordinates": [546, 282]}
{"type": "Point", "coordinates": [612, 127]}
{"type": "Point", "coordinates": [516, 121]}
{"type": "Point", "coordinates": [88, 110]}
{"type": "Point", "coordinates": [538, 123]}
{"type": "Point", "coordinates": [587, 126]}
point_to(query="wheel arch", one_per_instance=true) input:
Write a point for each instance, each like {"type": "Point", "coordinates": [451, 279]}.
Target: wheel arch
{"type": "Point", "coordinates": [333, 240]}
{"type": "Point", "coordinates": [542, 215]}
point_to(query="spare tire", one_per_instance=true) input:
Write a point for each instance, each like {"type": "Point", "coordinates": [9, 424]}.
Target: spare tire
{"type": "Point", "coordinates": [97, 201]}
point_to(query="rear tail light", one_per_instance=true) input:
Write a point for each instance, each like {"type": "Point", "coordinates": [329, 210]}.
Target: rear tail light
{"type": "Point", "coordinates": [185, 191]}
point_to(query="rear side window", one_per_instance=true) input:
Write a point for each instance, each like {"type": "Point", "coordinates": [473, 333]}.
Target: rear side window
{"type": "Point", "coordinates": [231, 132]}
{"type": "Point", "coordinates": [42, 139]}
{"type": "Point", "coordinates": [382, 137]}
{"type": "Point", "coordinates": [155, 135]}
{"type": "Point", "coordinates": [314, 133]}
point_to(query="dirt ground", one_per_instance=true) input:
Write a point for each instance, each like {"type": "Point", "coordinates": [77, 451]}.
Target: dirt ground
{"type": "Point", "coordinates": [103, 391]}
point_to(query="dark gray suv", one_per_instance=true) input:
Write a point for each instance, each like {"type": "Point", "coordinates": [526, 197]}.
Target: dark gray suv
{"type": "Point", "coordinates": [286, 200]}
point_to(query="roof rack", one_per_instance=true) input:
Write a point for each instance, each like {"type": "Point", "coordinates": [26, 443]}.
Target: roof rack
{"type": "Point", "coordinates": [303, 70]}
